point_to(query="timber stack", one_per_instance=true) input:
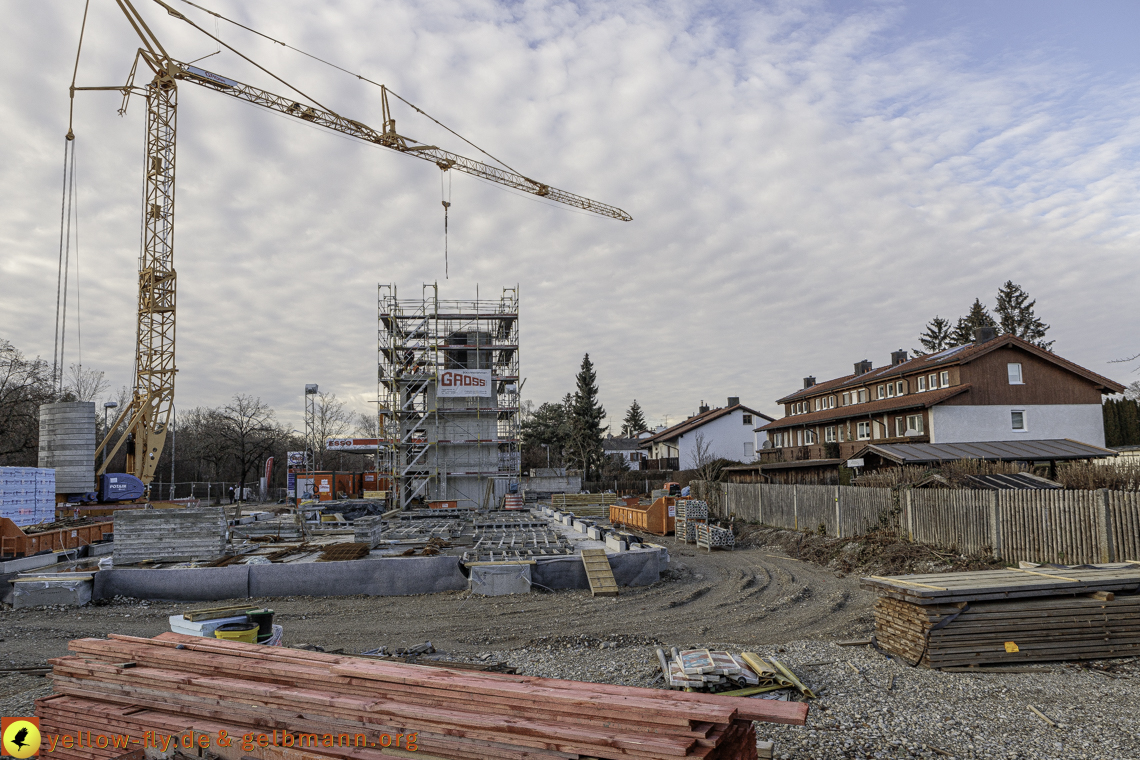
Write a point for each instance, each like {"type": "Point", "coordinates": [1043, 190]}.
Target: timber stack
{"type": "Point", "coordinates": [348, 707]}
{"type": "Point", "coordinates": [1017, 615]}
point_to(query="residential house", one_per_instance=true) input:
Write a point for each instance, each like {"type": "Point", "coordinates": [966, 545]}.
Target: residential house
{"type": "Point", "coordinates": [721, 433]}
{"type": "Point", "coordinates": [625, 450]}
{"type": "Point", "coordinates": [994, 389]}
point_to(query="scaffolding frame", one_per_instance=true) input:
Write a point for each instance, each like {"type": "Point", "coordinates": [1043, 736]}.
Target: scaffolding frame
{"type": "Point", "coordinates": [414, 343]}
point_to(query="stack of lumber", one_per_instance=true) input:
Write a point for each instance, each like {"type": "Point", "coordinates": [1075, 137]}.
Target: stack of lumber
{"type": "Point", "coordinates": [173, 684]}
{"type": "Point", "coordinates": [1029, 630]}
{"type": "Point", "coordinates": [1009, 616]}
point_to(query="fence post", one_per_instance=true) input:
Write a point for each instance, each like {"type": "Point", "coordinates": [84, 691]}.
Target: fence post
{"type": "Point", "coordinates": [795, 507]}
{"type": "Point", "coordinates": [909, 516]}
{"type": "Point", "coordinates": [838, 517]}
{"type": "Point", "coordinates": [995, 526]}
{"type": "Point", "coordinates": [760, 503]}
{"type": "Point", "coordinates": [1104, 529]}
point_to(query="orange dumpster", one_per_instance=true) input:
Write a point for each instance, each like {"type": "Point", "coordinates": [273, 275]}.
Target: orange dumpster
{"type": "Point", "coordinates": [658, 518]}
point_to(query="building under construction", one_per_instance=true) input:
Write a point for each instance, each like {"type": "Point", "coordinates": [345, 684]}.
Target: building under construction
{"type": "Point", "coordinates": [448, 389]}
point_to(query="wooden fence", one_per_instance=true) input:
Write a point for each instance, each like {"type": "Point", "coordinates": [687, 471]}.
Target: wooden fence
{"type": "Point", "coordinates": [1067, 527]}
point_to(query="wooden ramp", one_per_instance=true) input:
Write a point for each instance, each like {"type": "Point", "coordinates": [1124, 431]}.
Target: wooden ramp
{"type": "Point", "coordinates": [599, 572]}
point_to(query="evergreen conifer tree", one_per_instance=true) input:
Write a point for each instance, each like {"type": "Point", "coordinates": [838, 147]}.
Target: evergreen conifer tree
{"type": "Point", "coordinates": [937, 337]}
{"type": "Point", "coordinates": [1015, 312]}
{"type": "Point", "coordinates": [978, 316]}
{"type": "Point", "coordinates": [586, 417]}
{"type": "Point", "coordinates": [634, 422]}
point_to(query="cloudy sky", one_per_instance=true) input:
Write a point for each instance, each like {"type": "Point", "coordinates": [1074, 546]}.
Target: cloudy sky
{"type": "Point", "coordinates": [810, 183]}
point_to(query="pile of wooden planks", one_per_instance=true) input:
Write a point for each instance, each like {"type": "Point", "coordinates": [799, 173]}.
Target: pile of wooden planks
{"type": "Point", "coordinates": [1011, 583]}
{"type": "Point", "coordinates": [174, 684]}
{"type": "Point", "coordinates": [1009, 616]}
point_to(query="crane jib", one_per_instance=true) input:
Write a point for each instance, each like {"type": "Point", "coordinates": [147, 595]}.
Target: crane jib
{"type": "Point", "coordinates": [390, 139]}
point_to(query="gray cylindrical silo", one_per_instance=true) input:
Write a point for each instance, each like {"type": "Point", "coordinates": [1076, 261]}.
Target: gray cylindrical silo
{"type": "Point", "coordinates": [67, 444]}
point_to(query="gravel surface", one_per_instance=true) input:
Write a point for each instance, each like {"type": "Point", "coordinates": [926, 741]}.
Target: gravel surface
{"type": "Point", "coordinates": [749, 599]}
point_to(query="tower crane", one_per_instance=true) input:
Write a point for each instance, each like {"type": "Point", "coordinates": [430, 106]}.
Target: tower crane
{"type": "Point", "coordinates": [146, 417]}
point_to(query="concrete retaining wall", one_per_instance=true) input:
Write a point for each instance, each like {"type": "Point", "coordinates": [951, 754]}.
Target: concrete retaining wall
{"type": "Point", "coordinates": [387, 576]}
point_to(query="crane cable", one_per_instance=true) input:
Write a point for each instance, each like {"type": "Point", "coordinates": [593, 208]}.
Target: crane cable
{"type": "Point", "coordinates": [67, 209]}
{"type": "Point", "coordinates": [414, 107]}
{"type": "Point", "coordinates": [446, 195]}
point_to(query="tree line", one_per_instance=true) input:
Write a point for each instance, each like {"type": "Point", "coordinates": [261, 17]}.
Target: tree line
{"type": "Point", "coordinates": [226, 443]}
{"type": "Point", "coordinates": [569, 433]}
{"type": "Point", "coordinates": [1015, 313]}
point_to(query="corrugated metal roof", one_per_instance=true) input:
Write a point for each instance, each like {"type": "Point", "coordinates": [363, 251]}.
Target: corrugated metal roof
{"type": "Point", "coordinates": [1006, 451]}
{"type": "Point", "coordinates": [1018, 481]}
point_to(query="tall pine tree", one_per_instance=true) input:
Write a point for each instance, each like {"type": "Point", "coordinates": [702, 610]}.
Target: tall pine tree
{"type": "Point", "coordinates": [978, 316]}
{"type": "Point", "coordinates": [936, 337]}
{"type": "Point", "coordinates": [586, 417]}
{"type": "Point", "coordinates": [1016, 317]}
{"type": "Point", "coordinates": [634, 422]}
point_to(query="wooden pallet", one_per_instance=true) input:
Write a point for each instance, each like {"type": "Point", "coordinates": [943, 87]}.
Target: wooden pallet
{"type": "Point", "coordinates": [1012, 583]}
{"type": "Point", "coordinates": [599, 572]}
{"type": "Point", "coordinates": [179, 684]}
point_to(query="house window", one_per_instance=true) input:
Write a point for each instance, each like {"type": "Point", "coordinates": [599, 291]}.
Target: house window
{"type": "Point", "coordinates": [864, 431]}
{"type": "Point", "coordinates": [914, 423]}
{"type": "Point", "coordinates": [890, 390]}
{"type": "Point", "coordinates": [747, 419]}
{"type": "Point", "coordinates": [1014, 371]}
{"type": "Point", "coordinates": [829, 434]}
{"type": "Point", "coordinates": [921, 384]}
{"type": "Point", "coordinates": [862, 395]}
{"type": "Point", "coordinates": [847, 399]}
{"type": "Point", "coordinates": [1017, 418]}
{"type": "Point", "coordinates": [900, 388]}
{"type": "Point", "coordinates": [881, 392]}
{"type": "Point", "coordinates": [809, 437]}
{"type": "Point", "coordinates": [944, 379]}
{"type": "Point", "coordinates": [933, 382]}
{"type": "Point", "coordinates": [900, 427]}
{"type": "Point", "coordinates": [831, 402]}
{"type": "Point", "coordinates": [748, 450]}
{"type": "Point", "coordinates": [815, 404]}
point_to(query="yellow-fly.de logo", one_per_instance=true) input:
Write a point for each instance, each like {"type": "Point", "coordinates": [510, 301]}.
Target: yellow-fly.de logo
{"type": "Point", "coordinates": [21, 737]}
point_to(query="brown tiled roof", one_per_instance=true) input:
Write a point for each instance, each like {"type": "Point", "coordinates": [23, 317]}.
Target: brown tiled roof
{"type": "Point", "coordinates": [852, 411]}
{"type": "Point", "coordinates": [681, 428]}
{"type": "Point", "coordinates": [951, 356]}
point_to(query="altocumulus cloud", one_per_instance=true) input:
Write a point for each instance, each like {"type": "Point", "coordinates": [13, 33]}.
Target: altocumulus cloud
{"type": "Point", "coordinates": [807, 187]}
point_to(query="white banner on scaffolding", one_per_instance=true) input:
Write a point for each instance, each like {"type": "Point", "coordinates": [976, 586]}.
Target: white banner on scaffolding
{"type": "Point", "coordinates": [464, 383]}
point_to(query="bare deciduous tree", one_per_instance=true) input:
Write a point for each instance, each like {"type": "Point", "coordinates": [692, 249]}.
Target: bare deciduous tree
{"type": "Point", "coordinates": [250, 431]}
{"type": "Point", "coordinates": [702, 458]}
{"type": "Point", "coordinates": [25, 384]}
{"type": "Point", "coordinates": [333, 420]}
{"type": "Point", "coordinates": [84, 384]}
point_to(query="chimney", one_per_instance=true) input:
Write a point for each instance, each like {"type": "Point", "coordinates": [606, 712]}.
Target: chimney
{"type": "Point", "coordinates": [734, 400]}
{"type": "Point", "coordinates": [863, 367]}
{"type": "Point", "coordinates": [898, 357]}
{"type": "Point", "coordinates": [703, 408]}
{"type": "Point", "coordinates": [983, 334]}
{"type": "Point", "coordinates": [809, 381]}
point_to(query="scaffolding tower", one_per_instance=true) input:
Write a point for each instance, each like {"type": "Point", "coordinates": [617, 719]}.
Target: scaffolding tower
{"type": "Point", "coordinates": [444, 443]}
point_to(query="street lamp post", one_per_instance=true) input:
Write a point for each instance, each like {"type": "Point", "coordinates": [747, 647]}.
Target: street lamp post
{"type": "Point", "coordinates": [108, 406]}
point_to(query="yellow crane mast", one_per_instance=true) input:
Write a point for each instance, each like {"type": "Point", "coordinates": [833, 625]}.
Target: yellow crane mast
{"type": "Point", "coordinates": [147, 415]}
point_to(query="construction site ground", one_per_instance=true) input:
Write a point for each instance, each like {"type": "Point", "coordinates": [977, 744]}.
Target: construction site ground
{"type": "Point", "coordinates": [755, 598]}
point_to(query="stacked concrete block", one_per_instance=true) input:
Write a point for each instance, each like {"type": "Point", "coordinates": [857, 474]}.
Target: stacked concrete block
{"type": "Point", "coordinates": [27, 495]}
{"type": "Point", "coordinates": [169, 535]}
{"type": "Point", "coordinates": [67, 445]}
{"type": "Point", "coordinates": [367, 530]}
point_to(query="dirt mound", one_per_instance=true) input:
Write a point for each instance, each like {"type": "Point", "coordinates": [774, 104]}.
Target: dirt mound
{"type": "Point", "coordinates": [880, 552]}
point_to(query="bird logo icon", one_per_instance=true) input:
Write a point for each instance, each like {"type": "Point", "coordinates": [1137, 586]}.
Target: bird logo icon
{"type": "Point", "coordinates": [21, 737]}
